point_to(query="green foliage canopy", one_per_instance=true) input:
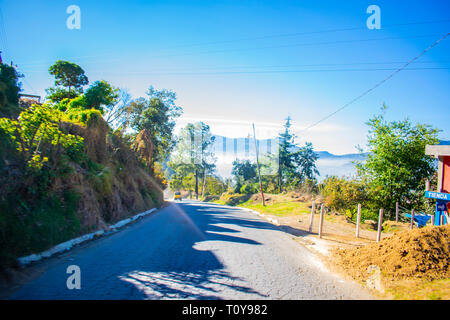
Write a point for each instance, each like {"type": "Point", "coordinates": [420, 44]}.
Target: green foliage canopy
{"type": "Point", "coordinates": [9, 91]}
{"type": "Point", "coordinates": [295, 164]}
{"type": "Point", "coordinates": [192, 157]}
{"type": "Point", "coordinates": [38, 138]}
{"type": "Point", "coordinates": [156, 114]}
{"type": "Point", "coordinates": [101, 94]}
{"type": "Point", "coordinates": [69, 75]}
{"type": "Point", "coordinates": [396, 167]}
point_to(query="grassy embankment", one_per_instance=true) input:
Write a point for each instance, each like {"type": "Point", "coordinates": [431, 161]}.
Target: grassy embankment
{"type": "Point", "coordinates": [72, 193]}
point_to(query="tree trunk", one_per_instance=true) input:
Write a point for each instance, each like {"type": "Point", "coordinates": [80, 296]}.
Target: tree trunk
{"type": "Point", "coordinates": [196, 184]}
{"type": "Point", "coordinates": [280, 189]}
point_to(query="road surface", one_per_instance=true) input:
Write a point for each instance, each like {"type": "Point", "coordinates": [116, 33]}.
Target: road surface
{"type": "Point", "coordinates": [193, 250]}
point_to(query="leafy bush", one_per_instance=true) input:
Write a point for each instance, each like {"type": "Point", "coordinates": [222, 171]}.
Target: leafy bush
{"type": "Point", "coordinates": [234, 199]}
{"type": "Point", "coordinates": [82, 116]}
{"type": "Point", "coordinates": [343, 195]}
{"type": "Point", "coordinates": [37, 136]}
{"type": "Point", "coordinates": [36, 224]}
{"type": "Point", "coordinates": [248, 188]}
{"type": "Point", "coordinates": [9, 91]}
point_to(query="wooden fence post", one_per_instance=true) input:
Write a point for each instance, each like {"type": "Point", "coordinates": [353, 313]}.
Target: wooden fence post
{"type": "Point", "coordinates": [396, 212]}
{"type": "Point", "coordinates": [412, 219]}
{"type": "Point", "coordinates": [380, 225]}
{"type": "Point", "coordinates": [321, 221]}
{"type": "Point", "coordinates": [313, 208]}
{"type": "Point", "coordinates": [358, 220]}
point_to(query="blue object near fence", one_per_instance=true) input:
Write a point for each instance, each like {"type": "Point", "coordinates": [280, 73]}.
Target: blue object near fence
{"type": "Point", "coordinates": [420, 219]}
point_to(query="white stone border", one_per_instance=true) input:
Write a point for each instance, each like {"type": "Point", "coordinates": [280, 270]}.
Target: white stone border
{"type": "Point", "coordinates": [67, 245]}
{"type": "Point", "coordinates": [271, 220]}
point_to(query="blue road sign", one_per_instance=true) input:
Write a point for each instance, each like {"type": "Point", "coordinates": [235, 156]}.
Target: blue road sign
{"type": "Point", "coordinates": [441, 205]}
{"type": "Point", "coordinates": [437, 195]}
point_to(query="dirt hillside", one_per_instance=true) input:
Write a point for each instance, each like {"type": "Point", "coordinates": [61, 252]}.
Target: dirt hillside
{"type": "Point", "coordinates": [418, 254]}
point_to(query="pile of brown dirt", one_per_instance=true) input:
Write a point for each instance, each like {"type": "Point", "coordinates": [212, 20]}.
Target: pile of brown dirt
{"type": "Point", "coordinates": [413, 254]}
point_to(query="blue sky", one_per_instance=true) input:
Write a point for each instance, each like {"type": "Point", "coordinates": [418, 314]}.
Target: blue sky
{"type": "Point", "coordinates": [237, 62]}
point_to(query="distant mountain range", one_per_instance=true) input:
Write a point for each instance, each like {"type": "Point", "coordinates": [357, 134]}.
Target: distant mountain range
{"type": "Point", "coordinates": [330, 164]}
{"type": "Point", "coordinates": [229, 149]}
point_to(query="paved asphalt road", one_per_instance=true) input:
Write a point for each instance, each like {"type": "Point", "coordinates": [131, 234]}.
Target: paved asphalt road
{"type": "Point", "coordinates": [193, 250]}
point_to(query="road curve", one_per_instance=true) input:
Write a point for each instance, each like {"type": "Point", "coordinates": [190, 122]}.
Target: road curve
{"type": "Point", "coordinates": [193, 250]}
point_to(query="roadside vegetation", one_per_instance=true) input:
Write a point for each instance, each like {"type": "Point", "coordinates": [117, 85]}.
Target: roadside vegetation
{"type": "Point", "coordinates": [86, 157]}
{"type": "Point", "coordinates": [395, 171]}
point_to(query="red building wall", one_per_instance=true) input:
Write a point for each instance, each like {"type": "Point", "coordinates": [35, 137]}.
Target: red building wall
{"type": "Point", "coordinates": [446, 176]}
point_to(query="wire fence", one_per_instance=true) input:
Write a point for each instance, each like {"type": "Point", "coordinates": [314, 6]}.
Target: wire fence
{"type": "Point", "coordinates": [417, 219]}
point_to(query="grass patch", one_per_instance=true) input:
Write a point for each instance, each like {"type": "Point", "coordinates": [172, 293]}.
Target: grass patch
{"type": "Point", "coordinates": [285, 208]}
{"type": "Point", "coordinates": [420, 290]}
{"type": "Point", "coordinates": [29, 227]}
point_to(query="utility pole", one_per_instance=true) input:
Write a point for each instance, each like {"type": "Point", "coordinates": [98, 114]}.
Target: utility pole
{"type": "Point", "coordinates": [204, 180]}
{"type": "Point", "coordinates": [280, 178]}
{"type": "Point", "coordinates": [257, 165]}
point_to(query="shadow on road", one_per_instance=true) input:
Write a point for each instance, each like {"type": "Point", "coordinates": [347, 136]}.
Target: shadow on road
{"type": "Point", "coordinates": [159, 257]}
{"type": "Point", "coordinates": [179, 270]}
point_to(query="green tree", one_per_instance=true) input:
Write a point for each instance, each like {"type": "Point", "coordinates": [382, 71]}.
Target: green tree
{"type": "Point", "coordinates": [306, 160]}
{"type": "Point", "coordinates": [101, 95]}
{"type": "Point", "coordinates": [244, 173]}
{"type": "Point", "coordinates": [69, 75]}
{"type": "Point", "coordinates": [214, 185]}
{"type": "Point", "coordinates": [193, 154]}
{"type": "Point", "coordinates": [295, 164]}
{"type": "Point", "coordinates": [9, 91]}
{"type": "Point", "coordinates": [244, 170]}
{"type": "Point", "coordinates": [156, 115]}
{"type": "Point", "coordinates": [59, 94]}
{"type": "Point", "coordinates": [69, 81]}
{"type": "Point", "coordinates": [286, 157]}
{"type": "Point", "coordinates": [397, 166]}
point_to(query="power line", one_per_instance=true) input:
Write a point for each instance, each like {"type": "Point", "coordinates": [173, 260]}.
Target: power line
{"type": "Point", "coordinates": [309, 65]}
{"type": "Point", "coordinates": [281, 71]}
{"type": "Point", "coordinates": [307, 33]}
{"type": "Point", "coordinates": [276, 46]}
{"type": "Point", "coordinates": [276, 66]}
{"type": "Point", "coordinates": [377, 84]}
{"type": "Point", "coordinates": [291, 45]}
{"type": "Point", "coordinates": [258, 72]}
{"type": "Point", "coordinates": [275, 36]}
{"type": "Point", "coordinates": [29, 85]}
{"type": "Point", "coordinates": [259, 48]}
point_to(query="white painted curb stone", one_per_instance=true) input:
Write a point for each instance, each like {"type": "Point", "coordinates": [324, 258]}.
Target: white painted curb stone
{"type": "Point", "coordinates": [67, 245]}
